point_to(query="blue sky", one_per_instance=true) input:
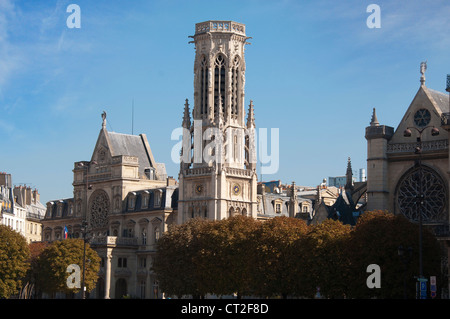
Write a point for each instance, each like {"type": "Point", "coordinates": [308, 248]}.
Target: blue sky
{"type": "Point", "coordinates": [314, 70]}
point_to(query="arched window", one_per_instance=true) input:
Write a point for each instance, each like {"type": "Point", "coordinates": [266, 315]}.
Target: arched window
{"type": "Point", "coordinates": [219, 83]}
{"type": "Point", "coordinates": [235, 86]}
{"type": "Point", "coordinates": [204, 79]}
{"type": "Point", "coordinates": [156, 234]}
{"type": "Point", "coordinates": [144, 236]}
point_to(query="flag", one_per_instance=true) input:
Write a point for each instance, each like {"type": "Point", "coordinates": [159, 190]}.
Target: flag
{"type": "Point", "coordinates": [66, 232]}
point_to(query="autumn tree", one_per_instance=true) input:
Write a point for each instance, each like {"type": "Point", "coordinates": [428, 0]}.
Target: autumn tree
{"type": "Point", "coordinates": [324, 260]}
{"type": "Point", "coordinates": [14, 255]}
{"type": "Point", "coordinates": [277, 256]}
{"type": "Point", "coordinates": [174, 259]}
{"type": "Point", "coordinates": [36, 248]}
{"type": "Point", "coordinates": [226, 255]}
{"type": "Point", "coordinates": [375, 240]}
{"type": "Point", "coordinates": [54, 260]}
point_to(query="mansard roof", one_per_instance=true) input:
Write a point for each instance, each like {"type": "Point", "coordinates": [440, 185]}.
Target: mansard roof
{"type": "Point", "coordinates": [52, 208]}
{"type": "Point", "coordinates": [168, 198]}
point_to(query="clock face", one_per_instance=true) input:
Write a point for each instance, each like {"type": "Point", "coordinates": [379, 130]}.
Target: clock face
{"type": "Point", "coordinates": [199, 188]}
{"type": "Point", "coordinates": [236, 189]}
{"type": "Point", "coordinates": [422, 118]}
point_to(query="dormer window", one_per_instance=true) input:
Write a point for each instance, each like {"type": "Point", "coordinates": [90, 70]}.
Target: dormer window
{"type": "Point", "coordinates": [157, 199]}
{"type": "Point", "coordinates": [277, 205]}
{"type": "Point", "coordinates": [59, 209]}
{"type": "Point", "coordinates": [131, 201]}
{"type": "Point", "coordinates": [144, 198]}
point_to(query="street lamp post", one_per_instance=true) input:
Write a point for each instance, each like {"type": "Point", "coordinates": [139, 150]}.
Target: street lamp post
{"type": "Point", "coordinates": [420, 196]}
{"type": "Point", "coordinates": [84, 226]}
{"type": "Point", "coordinates": [84, 231]}
{"type": "Point", "coordinates": [405, 255]}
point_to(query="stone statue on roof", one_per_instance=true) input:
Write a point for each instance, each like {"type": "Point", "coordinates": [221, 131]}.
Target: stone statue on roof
{"type": "Point", "coordinates": [423, 67]}
{"type": "Point", "coordinates": [104, 119]}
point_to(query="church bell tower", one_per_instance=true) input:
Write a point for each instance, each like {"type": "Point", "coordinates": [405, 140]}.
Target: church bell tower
{"type": "Point", "coordinates": [218, 176]}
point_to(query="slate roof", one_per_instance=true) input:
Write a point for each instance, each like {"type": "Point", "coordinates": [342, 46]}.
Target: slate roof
{"type": "Point", "coordinates": [168, 199]}
{"type": "Point", "coordinates": [130, 145]}
{"type": "Point", "coordinates": [440, 98]}
{"type": "Point", "coordinates": [343, 209]}
{"type": "Point", "coordinates": [52, 208]}
{"type": "Point", "coordinates": [267, 208]}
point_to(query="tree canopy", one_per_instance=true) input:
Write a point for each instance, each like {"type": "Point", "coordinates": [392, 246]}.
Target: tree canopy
{"type": "Point", "coordinates": [14, 255]}
{"type": "Point", "coordinates": [376, 240]}
{"type": "Point", "coordinates": [56, 257]}
{"type": "Point", "coordinates": [284, 257]}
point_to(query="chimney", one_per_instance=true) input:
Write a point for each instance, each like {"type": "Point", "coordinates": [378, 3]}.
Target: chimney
{"type": "Point", "coordinates": [171, 181]}
{"type": "Point", "coordinates": [5, 179]}
{"type": "Point", "coordinates": [36, 196]}
{"type": "Point", "coordinates": [28, 195]}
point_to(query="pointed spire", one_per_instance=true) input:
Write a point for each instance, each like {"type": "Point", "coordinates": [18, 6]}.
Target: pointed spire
{"type": "Point", "coordinates": [349, 175]}
{"type": "Point", "coordinates": [251, 116]}
{"type": "Point", "coordinates": [186, 116]}
{"type": "Point", "coordinates": [374, 121]}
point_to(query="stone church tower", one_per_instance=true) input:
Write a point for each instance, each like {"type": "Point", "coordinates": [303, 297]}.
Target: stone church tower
{"type": "Point", "coordinates": [218, 175]}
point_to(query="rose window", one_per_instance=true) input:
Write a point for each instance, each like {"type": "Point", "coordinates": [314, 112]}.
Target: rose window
{"type": "Point", "coordinates": [434, 204]}
{"type": "Point", "coordinates": [422, 117]}
{"type": "Point", "coordinates": [99, 209]}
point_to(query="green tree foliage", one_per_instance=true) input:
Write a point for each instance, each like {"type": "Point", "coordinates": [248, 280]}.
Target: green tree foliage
{"type": "Point", "coordinates": [54, 260]}
{"type": "Point", "coordinates": [375, 240]}
{"type": "Point", "coordinates": [14, 255]}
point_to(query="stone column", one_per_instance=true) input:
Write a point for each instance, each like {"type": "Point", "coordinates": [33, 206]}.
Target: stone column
{"type": "Point", "coordinates": [108, 275]}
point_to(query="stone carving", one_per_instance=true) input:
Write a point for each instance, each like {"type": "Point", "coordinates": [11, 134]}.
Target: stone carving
{"type": "Point", "coordinates": [99, 209]}
{"type": "Point", "coordinates": [410, 147]}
